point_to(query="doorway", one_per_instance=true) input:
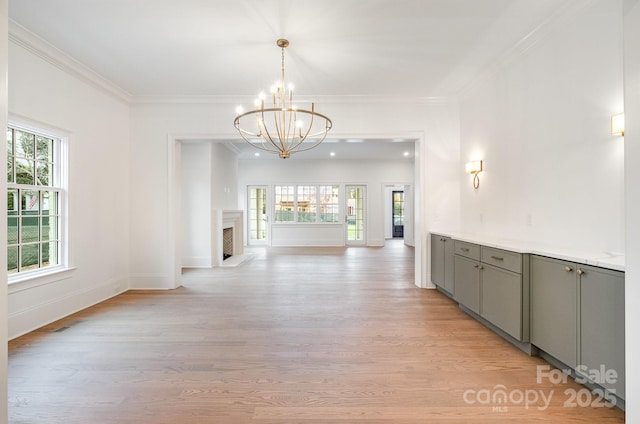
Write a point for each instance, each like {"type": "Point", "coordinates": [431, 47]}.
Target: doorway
{"type": "Point", "coordinates": [398, 214]}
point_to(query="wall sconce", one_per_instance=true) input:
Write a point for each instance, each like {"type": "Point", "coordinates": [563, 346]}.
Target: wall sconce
{"type": "Point", "coordinates": [617, 124]}
{"type": "Point", "coordinates": [474, 167]}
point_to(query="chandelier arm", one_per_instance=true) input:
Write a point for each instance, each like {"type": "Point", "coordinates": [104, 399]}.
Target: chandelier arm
{"type": "Point", "coordinates": [254, 144]}
{"type": "Point", "coordinates": [292, 120]}
{"type": "Point", "coordinates": [278, 118]}
{"type": "Point", "coordinates": [323, 133]}
{"type": "Point", "coordinates": [266, 130]}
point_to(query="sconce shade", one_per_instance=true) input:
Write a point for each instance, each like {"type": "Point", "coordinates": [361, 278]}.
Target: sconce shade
{"type": "Point", "coordinates": [617, 124]}
{"type": "Point", "coordinates": [473, 167]}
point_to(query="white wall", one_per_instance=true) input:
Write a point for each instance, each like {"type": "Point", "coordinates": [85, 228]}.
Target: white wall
{"type": "Point", "coordinates": [541, 124]}
{"type": "Point", "coordinates": [224, 178]}
{"type": "Point", "coordinates": [196, 199]}
{"type": "Point", "coordinates": [98, 202]}
{"type": "Point", "coordinates": [3, 231]}
{"type": "Point", "coordinates": [632, 197]}
{"type": "Point", "coordinates": [374, 174]}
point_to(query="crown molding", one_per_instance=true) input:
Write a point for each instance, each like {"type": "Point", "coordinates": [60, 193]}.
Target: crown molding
{"type": "Point", "coordinates": [523, 46]}
{"type": "Point", "coordinates": [41, 48]}
{"type": "Point", "coordinates": [323, 99]}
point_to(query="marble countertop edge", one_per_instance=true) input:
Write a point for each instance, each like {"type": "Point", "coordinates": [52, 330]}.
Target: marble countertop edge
{"type": "Point", "coordinates": [609, 260]}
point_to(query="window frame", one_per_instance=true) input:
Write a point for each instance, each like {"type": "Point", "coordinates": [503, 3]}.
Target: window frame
{"type": "Point", "coordinates": [59, 174]}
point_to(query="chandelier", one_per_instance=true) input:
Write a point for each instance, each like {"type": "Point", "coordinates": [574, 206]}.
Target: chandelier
{"type": "Point", "coordinates": [281, 127]}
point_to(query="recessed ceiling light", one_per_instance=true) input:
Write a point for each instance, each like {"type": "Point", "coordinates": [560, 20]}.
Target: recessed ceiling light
{"type": "Point", "coordinates": [256, 154]}
{"type": "Point", "coordinates": [355, 140]}
{"type": "Point", "coordinates": [406, 153]}
{"type": "Point", "coordinates": [332, 153]}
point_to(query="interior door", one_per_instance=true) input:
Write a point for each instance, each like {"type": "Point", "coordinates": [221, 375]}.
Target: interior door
{"type": "Point", "coordinates": [398, 214]}
{"type": "Point", "coordinates": [257, 218]}
{"type": "Point", "coordinates": [355, 215]}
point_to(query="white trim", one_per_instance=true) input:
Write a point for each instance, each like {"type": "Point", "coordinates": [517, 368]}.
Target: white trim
{"type": "Point", "coordinates": [37, 316]}
{"type": "Point", "coordinates": [29, 280]}
{"type": "Point", "coordinates": [36, 45]}
{"type": "Point", "coordinates": [319, 99]}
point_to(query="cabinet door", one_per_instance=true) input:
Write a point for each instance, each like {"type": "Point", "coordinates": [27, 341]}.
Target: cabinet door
{"type": "Point", "coordinates": [448, 264]}
{"type": "Point", "coordinates": [502, 299]}
{"type": "Point", "coordinates": [602, 325]}
{"type": "Point", "coordinates": [553, 308]}
{"type": "Point", "coordinates": [467, 282]}
{"type": "Point", "coordinates": [437, 260]}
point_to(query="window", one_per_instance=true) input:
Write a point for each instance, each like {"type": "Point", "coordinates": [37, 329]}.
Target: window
{"type": "Point", "coordinates": [34, 195]}
{"type": "Point", "coordinates": [329, 203]}
{"type": "Point", "coordinates": [307, 203]}
{"type": "Point", "coordinates": [284, 203]}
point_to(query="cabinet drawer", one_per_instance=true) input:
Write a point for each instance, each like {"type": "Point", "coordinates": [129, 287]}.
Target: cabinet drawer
{"type": "Point", "coordinates": [502, 258]}
{"type": "Point", "coordinates": [469, 250]}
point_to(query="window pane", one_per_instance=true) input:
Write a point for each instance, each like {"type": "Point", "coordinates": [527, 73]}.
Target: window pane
{"type": "Point", "coordinates": [25, 144]}
{"type": "Point", "coordinates": [24, 171]}
{"type": "Point", "coordinates": [49, 254]}
{"type": "Point", "coordinates": [49, 228]}
{"type": "Point", "coordinates": [29, 230]}
{"type": "Point", "coordinates": [9, 169]}
{"type": "Point", "coordinates": [12, 230]}
{"type": "Point", "coordinates": [49, 203]}
{"type": "Point", "coordinates": [284, 203]}
{"type": "Point", "coordinates": [12, 260]}
{"type": "Point", "coordinates": [30, 202]}
{"type": "Point", "coordinates": [30, 257]}
{"type": "Point", "coordinates": [44, 150]}
{"type": "Point", "coordinates": [44, 173]}
{"type": "Point", "coordinates": [307, 204]}
{"type": "Point", "coordinates": [12, 202]}
{"type": "Point", "coordinates": [9, 155]}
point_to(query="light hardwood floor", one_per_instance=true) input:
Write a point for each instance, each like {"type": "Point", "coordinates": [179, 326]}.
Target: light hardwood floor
{"type": "Point", "coordinates": [313, 335]}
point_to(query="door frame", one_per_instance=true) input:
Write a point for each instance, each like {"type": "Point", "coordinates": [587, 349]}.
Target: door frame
{"type": "Point", "coordinates": [172, 278]}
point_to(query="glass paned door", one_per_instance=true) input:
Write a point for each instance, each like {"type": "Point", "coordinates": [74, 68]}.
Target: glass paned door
{"type": "Point", "coordinates": [398, 214]}
{"type": "Point", "coordinates": [257, 218]}
{"type": "Point", "coordinates": [355, 215]}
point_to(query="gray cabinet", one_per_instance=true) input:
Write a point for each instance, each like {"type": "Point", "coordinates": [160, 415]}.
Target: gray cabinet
{"type": "Point", "coordinates": [467, 282]}
{"type": "Point", "coordinates": [442, 262]}
{"type": "Point", "coordinates": [601, 336]}
{"type": "Point", "coordinates": [577, 316]}
{"type": "Point", "coordinates": [491, 283]}
{"type": "Point", "coordinates": [505, 291]}
{"type": "Point", "coordinates": [554, 308]}
{"type": "Point", "coordinates": [502, 299]}
{"type": "Point", "coordinates": [467, 274]}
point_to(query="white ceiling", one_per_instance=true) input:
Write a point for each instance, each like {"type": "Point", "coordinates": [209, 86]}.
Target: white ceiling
{"type": "Point", "coordinates": [399, 48]}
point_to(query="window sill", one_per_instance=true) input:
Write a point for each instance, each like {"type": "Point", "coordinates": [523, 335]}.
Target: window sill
{"type": "Point", "coordinates": [30, 280]}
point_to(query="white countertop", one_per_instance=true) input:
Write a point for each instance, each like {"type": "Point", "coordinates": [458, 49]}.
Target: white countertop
{"type": "Point", "coordinates": [608, 260]}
